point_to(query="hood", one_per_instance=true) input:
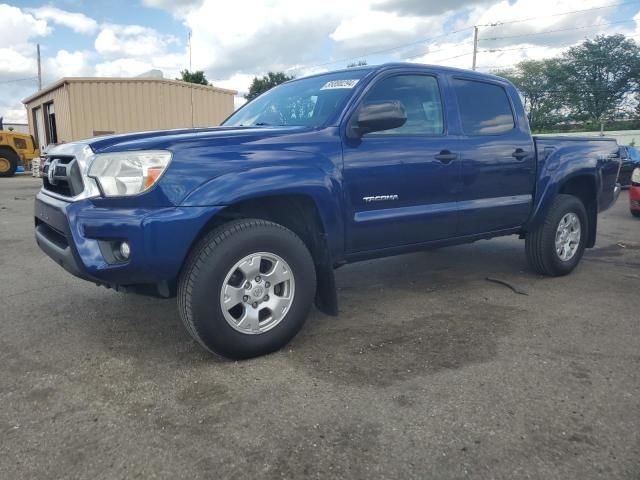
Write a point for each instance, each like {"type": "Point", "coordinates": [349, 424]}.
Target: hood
{"type": "Point", "coordinates": [161, 139]}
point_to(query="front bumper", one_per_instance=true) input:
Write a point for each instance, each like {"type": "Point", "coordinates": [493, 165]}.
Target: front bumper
{"type": "Point", "coordinates": [74, 235]}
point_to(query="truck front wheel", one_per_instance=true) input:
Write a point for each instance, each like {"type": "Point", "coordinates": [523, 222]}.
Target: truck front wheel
{"type": "Point", "coordinates": [557, 245]}
{"type": "Point", "coordinates": [246, 288]}
{"type": "Point", "coordinates": [8, 162]}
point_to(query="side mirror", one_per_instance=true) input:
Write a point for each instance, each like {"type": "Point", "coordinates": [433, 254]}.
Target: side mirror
{"type": "Point", "coordinates": [378, 116]}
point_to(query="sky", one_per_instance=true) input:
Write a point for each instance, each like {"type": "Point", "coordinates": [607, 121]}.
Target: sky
{"type": "Point", "coordinates": [235, 40]}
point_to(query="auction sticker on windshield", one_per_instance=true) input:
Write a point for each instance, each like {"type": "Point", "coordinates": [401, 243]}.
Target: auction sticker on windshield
{"type": "Point", "coordinates": [339, 84]}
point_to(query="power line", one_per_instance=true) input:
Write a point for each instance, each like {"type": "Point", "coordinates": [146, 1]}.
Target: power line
{"type": "Point", "coordinates": [557, 30]}
{"type": "Point", "coordinates": [513, 65]}
{"type": "Point", "coordinates": [531, 47]}
{"type": "Point", "coordinates": [19, 80]}
{"type": "Point", "coordinates": [429, 52]}
{"type": "Point", "coordinates": [386, 50]}
{"type": "Point", "coordinates": [495, 24]}
{"type": "Point", "coordinates": [444, 59]}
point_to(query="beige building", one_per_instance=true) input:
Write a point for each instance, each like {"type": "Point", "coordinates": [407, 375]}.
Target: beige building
{"type": "Point", "coordinates": [77, 108]}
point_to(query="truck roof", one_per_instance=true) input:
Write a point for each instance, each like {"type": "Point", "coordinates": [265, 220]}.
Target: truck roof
{"type": "Point", "coordinates": [417, 66]}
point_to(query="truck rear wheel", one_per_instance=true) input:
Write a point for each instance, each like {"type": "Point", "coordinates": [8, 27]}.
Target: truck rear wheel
{"type": "Point", "coordinates": [246, 288]}
{"type": "Point", "coordinates": [556, 247]}
{"type": "Point", "coordinates": [8, 162]}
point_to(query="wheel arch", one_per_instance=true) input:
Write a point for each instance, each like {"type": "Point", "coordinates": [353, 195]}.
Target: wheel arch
{"type": "Point", "coordinates": [299, 213]}
{"type": "Point", "coordinates": [580, 184]}
{"type": "Point", "coordinates": [585, 188]}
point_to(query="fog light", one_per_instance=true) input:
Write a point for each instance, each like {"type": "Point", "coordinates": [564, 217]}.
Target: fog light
{"type": "Point", "coordinates": [125, 250]}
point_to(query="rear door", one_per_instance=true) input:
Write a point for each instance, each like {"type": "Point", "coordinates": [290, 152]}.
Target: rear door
{"type": "Point", "coordinates": [400, 184]}
{"type": "Point", "coordinates": [498, 162]}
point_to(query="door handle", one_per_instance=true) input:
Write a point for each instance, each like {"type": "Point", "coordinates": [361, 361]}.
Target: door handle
{"type": "Point", "coordinates": [445, 156]}
{"type": "Point", "coordinates": [519, 154]}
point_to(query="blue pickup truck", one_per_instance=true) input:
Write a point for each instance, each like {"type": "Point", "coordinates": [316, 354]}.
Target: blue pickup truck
{"type": "Point", "coordinates": [246, 222]}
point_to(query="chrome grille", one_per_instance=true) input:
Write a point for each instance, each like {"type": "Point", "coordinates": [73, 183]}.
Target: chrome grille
{"type": "Point", "coordinates": [62, 176]}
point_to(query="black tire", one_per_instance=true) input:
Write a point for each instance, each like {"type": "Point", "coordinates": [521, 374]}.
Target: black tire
{"type": "Point", "coordinates": [203, 276]}
{"type": "Point", "coordinates": [540, 243]}
{"type": "Point", "coordinates": [6, 154]}
{"type": "Point", "coordinates": [635, 213]}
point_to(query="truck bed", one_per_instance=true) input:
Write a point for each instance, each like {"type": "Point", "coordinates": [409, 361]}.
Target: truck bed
{"type": "Point", "coordinates": [572, 156]}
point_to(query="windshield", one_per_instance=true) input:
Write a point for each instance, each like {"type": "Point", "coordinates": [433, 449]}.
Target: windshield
{"type": "Point", "coordinates": [634, 154]}
{"type": "Point", "coordinates": [307, 102]}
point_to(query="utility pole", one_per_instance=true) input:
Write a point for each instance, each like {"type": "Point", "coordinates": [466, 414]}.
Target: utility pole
{"type": "Point", "coordinates": [189, 50]}
{"type": "Point", "coordinates": [191, 87]}
{"type": "Point", "coordinates": [475, 46]}
{"type": "Point", "coordinates": [39, 69]}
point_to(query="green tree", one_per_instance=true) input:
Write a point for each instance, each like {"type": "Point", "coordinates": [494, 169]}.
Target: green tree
{"type": "Point", "coordinates": [196, 76]}
{"type": "Point", "coordinates": [598, 75]}
{"type": "Point", "coordinates": [537, 81]}
{"type": "Point", "coordinates": [267, 82]}
{"type": "Point", "coordinates": [359, 63]}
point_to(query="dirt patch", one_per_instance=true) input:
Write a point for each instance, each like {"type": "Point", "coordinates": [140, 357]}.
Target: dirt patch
{"type": "Point", "coordinates": [388, 353]}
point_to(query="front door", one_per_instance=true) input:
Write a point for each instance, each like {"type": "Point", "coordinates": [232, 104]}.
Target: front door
{"type": "Point", "coordinates": [400, 184]}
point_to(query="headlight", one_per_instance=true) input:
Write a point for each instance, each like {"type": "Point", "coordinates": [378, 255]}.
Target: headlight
{"type": "Point", "coordinates": [635, 176]}
{"type": "Point", "coordinates": [128, 173]}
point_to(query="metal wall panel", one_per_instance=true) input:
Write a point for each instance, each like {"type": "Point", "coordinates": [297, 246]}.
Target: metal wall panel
{"type": "Point", "coordinates": [99, 106]}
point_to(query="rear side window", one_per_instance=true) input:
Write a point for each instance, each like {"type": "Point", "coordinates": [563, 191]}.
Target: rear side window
{"type": "Point", "coordinates": [484, 108]}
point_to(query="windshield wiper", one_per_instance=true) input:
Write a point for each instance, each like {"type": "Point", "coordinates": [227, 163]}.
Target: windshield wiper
{"type": "Point", "coordinates": [262, 124]}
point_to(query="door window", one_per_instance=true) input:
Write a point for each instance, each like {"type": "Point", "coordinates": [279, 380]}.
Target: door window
{"type": "Point", "coordinates": [20, 143]}
{"type": "Point", "coordinates": [420, 96]}
{"type": "Point", "coordinates": [484, 108]}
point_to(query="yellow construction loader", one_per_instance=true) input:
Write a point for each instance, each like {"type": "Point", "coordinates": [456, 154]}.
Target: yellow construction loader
{"type": "Point", "coordinates": [16, 149]}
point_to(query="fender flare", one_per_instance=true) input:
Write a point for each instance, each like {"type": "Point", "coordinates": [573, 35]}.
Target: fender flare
{"type": "Point", "coordinates": [268, 181]}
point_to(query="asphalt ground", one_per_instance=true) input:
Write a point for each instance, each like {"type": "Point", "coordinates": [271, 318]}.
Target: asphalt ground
{"type": "Point", "coordinates": [430, 371]}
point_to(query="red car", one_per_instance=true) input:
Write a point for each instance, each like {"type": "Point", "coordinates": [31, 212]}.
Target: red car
{"type": "Point", "coordinates": [634, 193]}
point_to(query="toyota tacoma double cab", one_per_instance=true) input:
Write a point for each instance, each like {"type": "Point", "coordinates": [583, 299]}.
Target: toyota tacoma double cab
{"type": "Point", "coordinates": [246, 222]}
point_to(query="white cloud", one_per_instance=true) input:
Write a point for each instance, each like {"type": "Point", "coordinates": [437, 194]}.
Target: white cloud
{"type": "Point", "coordinates": [17, 27]}
{"type": "Point", "coordinates": [178, 7]}
{"type": "Point", "coordinates": [13, 113]}
{"type": "Point", "coordinates": [131, 40]}
{"type": "Point", "coordinates": [425, 7]}
{"type": "Point", "coordinates": [282, 34]}
{"type": "Point", "coordinates": [122, 67]}
{"type": "Point", "coordinates": [267, 35]}
{"type": "Point", "coordinates": [78, 22]}
{"type": "Point", "coordinates": [372, 30]}
{"type": "Point", "coordinates": [68, 64]}
{"type": "Point", "coordinates": [17, 59]}
{"type": "Point", "coordinates": [239, 82]}
{"type": "Point", "coordinates": [14, 64]}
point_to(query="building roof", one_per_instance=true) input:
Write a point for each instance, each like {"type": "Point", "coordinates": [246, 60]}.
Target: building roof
{"type": "Point", "coordinates": [69, 80]}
